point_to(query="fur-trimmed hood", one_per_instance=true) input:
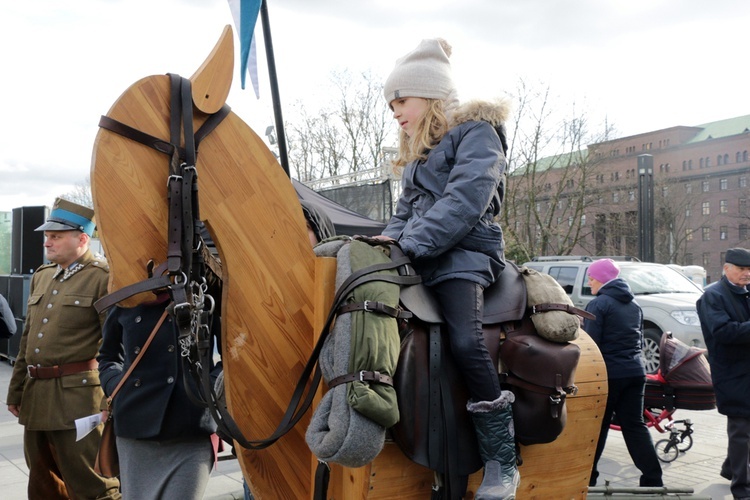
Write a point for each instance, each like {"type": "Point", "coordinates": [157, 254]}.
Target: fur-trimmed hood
{"type": "Point", "coordinates": [493, 112]}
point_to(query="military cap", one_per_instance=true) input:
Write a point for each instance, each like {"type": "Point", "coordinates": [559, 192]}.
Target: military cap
{"type": "Point", "coordinates": [738, 257]}
{"type": "Point", "coordinates": [69, 216]}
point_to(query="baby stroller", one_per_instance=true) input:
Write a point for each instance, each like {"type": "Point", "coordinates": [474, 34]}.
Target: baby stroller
{"type": "Point", "coordinates": [682, 381]}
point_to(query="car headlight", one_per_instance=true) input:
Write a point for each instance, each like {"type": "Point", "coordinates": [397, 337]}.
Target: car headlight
{"type": "Point", "coordinates": [689, 318]}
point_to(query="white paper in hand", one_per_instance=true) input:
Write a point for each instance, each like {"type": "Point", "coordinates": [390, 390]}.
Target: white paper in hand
{"type": "Point", "coordinates": [85, 425]}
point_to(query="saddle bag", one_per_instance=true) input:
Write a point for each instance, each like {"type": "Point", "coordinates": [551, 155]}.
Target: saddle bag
{"type": "Point", "coordinates": [541, 374]}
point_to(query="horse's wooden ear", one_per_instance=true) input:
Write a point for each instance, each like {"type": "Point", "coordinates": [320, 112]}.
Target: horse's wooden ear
{"type": "Point", "coordinates": [212, 81]}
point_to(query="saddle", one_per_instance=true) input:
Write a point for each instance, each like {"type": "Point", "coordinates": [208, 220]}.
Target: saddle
{"type": "Point", "coordinates": [435, 429]}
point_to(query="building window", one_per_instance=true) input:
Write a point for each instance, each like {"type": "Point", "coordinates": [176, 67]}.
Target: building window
{"type": "Point", "coordinates": [738, 157]}
{"type": "Point", "coordinates": [723, 233]}
{"type": "Point", "coordinates": [706, 233]}
{"type": "Point", "coordinates": [688, 259]}
{"type": "Point", "coordinates": [631, 195]}
{"type": "Point", "coordinates": [570, 221]}
{"type": "Point", "coordinates": [583, 220]}
{"type": "Point", "coordinates": [706, 259]}
{"type": "Point", "coordinates": [743, 181]}
{"type": "Point", "coordinates": [726, 159]}
{"type": "Point", "coordinates": [704, 186]}
{"type": "Point", "coordinates": [688, 212]}
{"type": "Point", "coordinates": [706, 208]}
{"type": "Point", "coordinates": [708, 162]}
{"type": "Point", "coordinates": [690, 164]}
{"type": "Point", "coordinates": [615, 197]}
{"type": "Point", "coordinates": [742, 233]}
{"type": "Point", "coordinates": [718, 160]}
{"type": "Point", "coordinates": [689, 234]}
{"type": "Point", "coordinates": [688, 188]}
{"type": "Point", "coordinates": [744, 156]}
{"type": "Point", "coordinates": [701, 163]}
{"type": "Point", "coordinates": [724, 206]}
{"type": "Point", "coordinates": [742, 206]}
{"type": "Point", "coordinates": [723, 184]}
{"type": "Point", "coordinates": [665, 191]}
{"type": "Point", "coordinates": [684, 165]}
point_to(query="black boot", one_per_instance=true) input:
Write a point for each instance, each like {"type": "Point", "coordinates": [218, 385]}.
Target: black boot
{"type": "Point", "coordinates": [493, 422]}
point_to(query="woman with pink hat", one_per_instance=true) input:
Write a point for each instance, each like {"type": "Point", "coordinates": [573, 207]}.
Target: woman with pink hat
{"type": "Point", "coordinates": [617, 332]}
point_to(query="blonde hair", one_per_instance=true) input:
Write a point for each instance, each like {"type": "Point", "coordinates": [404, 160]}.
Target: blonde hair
{"type": "Point", "coordinates": [429, 129]}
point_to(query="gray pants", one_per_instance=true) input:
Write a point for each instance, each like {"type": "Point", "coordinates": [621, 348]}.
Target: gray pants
{"type": "Point", "coordinates": [738, 454]}
{"type": "Point", "coordinates": [162, 470]}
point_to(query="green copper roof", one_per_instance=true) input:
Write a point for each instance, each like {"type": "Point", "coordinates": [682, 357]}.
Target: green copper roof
{"type": "Point", "coordinates": [723, 128]}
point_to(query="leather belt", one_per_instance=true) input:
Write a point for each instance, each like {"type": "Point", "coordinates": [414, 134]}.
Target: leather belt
{"type": "Point", "coordinates": [374, 306]}
{"type": "Point", "coordinates": [57, 371]}
{"type": "Point", "coordinates": [562, 307]}
{"type": "Point", "coordinates": [362, 376]}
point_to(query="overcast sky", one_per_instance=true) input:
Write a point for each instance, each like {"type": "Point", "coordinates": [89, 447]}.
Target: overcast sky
{"type": "Point", "coordinates": [642, 64]}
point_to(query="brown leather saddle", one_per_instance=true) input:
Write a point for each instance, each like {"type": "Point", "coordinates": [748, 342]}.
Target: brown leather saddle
{"type": "Point", "coordinates": [435, 429]}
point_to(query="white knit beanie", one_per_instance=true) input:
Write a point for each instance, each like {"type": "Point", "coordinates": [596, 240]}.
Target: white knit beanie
{"type": "Point", "coordinates": [423, 72]}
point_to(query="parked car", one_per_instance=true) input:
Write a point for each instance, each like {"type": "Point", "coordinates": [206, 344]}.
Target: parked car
{"type": "Point", "coordinates": [666, 296]}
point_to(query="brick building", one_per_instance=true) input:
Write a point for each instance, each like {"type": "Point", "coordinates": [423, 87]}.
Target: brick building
{"type": "Point", "coordinates": [700, 193]}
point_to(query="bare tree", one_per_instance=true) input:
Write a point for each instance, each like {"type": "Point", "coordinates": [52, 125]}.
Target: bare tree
{"type": "Point", "coordinates": [674, 211]}
{"type": "Point", "coordinates": [550, 178]}
{"type": "Point", "coordinates": [347, 135]}
{"type": "Point", "coordinates": [81, 194]}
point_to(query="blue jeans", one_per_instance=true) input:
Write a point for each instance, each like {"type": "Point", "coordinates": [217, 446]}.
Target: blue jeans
{"type": "Point", "coordinates": [625, 399]}
{"type": "Point", "coordinates": [462, 302]}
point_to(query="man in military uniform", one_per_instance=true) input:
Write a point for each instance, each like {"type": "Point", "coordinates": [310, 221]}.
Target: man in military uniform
{"type": "Point", "coordinates": [55, 379]}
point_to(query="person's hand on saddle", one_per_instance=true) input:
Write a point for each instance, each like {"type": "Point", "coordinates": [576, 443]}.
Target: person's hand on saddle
{"type": "Point", "coordinates": [384, 238]}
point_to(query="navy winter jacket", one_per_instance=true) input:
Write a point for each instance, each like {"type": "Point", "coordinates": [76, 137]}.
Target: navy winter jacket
{"type": "Point", "coordinates": [725, 321]}
{"type": "Point", "coordinates": [444, 217]}
{"type": "Point", "coordinates": [617, 329]}
{"type": "Point", "coordinates": [153, 403]}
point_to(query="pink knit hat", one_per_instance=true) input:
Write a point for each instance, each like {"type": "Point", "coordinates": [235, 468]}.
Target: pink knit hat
{"type": "Point", "coordinates": [604, 270]}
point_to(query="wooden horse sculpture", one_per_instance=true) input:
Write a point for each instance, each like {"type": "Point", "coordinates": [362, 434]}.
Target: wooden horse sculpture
{"type": "Point", "coordinates": [276, 293]}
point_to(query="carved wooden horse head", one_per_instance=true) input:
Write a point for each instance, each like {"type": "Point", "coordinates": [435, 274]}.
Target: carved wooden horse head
{"type": "Point", "coordinates": [252, 212]}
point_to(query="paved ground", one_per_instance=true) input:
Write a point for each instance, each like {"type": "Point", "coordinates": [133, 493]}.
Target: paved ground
{"type": "Point", "coordinates": [697, 468]}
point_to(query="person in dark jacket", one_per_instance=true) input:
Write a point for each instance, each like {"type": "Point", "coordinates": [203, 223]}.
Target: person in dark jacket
{"type": "Point", "coordinates": [453, 187]}
{"type": "Point", "coordinates": [165, 442]}
{"type": "Point", "coordinates": [7, 320]}
{"type": "Point", "coordinates": [724, 314]}
{"type": "Point", "coordinates": [617, 332]}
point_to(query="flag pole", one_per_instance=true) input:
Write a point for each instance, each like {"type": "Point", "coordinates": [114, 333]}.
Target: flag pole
{"type": "Point", "coordinates": [280, 135]}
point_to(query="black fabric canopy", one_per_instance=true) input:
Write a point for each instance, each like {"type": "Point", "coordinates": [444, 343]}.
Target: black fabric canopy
{"type": "Point", "coordinates": [346, 221]}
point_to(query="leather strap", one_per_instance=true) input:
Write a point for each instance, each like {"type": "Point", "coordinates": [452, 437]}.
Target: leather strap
{"type": "Point", "coordinates": [362, 376]}
{"type": "Point", "coordinates": [128, 291]}
{"type": "Point", "coordinates": [374, 306]}
{"type": "Point", "coordinates": [161, 145]}
{"type": "Point", "coordinates": [57, 371]}
{"type": "Point", "coordinates": [561, 307]}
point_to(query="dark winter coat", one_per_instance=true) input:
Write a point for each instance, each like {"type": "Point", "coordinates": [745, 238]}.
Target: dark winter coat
{"type": "Point", "coordinates": [725, 320]}
{"type": "Point", "coordinates": [617, 329]}
{"type": "Point", "coordinates": [444, 217]}
{"type": "Point", "coordinates": [153, 403]}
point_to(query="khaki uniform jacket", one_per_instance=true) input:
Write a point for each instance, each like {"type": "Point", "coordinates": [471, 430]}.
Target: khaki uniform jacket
{"type": "Point", "coordinates": [61, 327]}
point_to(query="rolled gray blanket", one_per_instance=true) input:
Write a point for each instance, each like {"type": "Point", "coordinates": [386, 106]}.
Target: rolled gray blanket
{"type": "Point", "coordinates": [337, 432]}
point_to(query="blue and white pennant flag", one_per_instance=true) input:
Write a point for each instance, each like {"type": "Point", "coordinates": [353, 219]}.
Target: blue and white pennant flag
{"type": "Point", "coordinates": [245, 14]}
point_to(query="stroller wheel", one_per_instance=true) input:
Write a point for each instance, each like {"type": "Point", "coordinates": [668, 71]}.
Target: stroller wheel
{"type": "Point", "coordinates": [685, 444]}
{"type": "Point", "coordinates": [666, 450]}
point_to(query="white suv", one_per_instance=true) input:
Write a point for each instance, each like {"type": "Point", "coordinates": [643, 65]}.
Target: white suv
{"type": "Point", "coordinates": [666, 296]}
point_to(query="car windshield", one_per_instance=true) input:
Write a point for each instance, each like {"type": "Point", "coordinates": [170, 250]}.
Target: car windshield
{"type": "Point", "coordinates": [644, 280]}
